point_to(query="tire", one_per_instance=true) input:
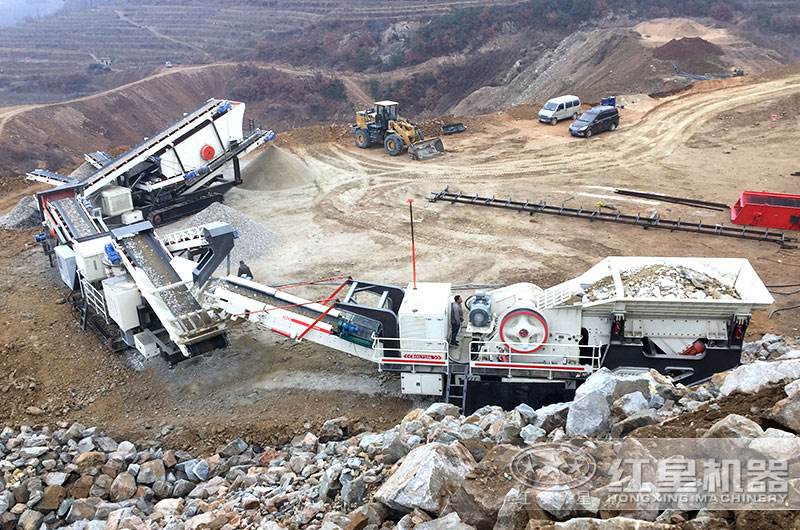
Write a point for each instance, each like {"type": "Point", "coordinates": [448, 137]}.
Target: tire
{"type": "Point", "coordinates": [612, 127]}
{"type": "Point", "coordinates": [362, 138]}
{"type": "Point", "coordinates": [553, 121]}
{"type": "Point", "coordinates": [588, 133]}
{"type": "Point", "coordinates": [393, 144]}
{"type": "Point", "coordinates": [156, 219]}
{"type": "Point", "coordinates": [574, 116]}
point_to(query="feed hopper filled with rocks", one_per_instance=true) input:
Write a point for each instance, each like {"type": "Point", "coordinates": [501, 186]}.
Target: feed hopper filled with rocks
{"type": "Point", "coordinates": [685, 317]}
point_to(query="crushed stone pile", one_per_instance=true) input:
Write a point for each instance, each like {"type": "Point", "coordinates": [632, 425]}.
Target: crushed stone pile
{"type": "Point", "coordinates": [24, 216]}
{"type": "Point", "coordinates": [436, 469]}
{"type": "Point", "coordinates": [663, 281]}
{"type": "Point", "coordinates": [275, 169]}
{"type": "Point", "coordinates": [255, 240]}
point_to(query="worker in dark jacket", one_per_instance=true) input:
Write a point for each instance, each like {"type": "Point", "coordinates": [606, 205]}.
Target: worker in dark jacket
{"type": "Point", "coordinates": [244, 271]}
{"type": "Point", "coordinates": [456, 317]}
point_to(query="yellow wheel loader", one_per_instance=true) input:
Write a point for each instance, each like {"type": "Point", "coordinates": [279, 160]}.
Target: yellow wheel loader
{"type": "Point", "coordinates": [382, 125]}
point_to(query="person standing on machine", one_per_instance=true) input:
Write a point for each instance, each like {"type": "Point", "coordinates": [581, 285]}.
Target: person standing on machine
{"type": "Point", "coordinates": [456, 318]}
{"type": "Point", "coordinates": [244, 271]}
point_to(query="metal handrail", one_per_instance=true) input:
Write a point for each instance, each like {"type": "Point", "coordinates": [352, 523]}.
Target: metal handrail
{"type": "Point", "coordinates": [498, 355]}
{"type": "Point", "coordinates": [94, 298]}
{"type": "Point", "coordinates": [412, 352]}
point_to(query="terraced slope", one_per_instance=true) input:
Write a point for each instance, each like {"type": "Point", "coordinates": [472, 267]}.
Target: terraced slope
{"type": "Point", "coordinates": [47, 59]}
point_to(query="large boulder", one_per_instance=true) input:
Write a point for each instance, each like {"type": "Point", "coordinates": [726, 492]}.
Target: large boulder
{"type": "Point", "coordinates": [438, 411]}
{"type": "Point", "coordinates": [734, 426]}
{"type": "Point", "coordinates": [425, 477]}
{"type": "Point", "coordinates": [556, 501]}
{"type": "Point", "coordinates": [169, 506]}
{"type": "Point", "coordinates": [123, 487]}
{"type": "Point", "coordinates": [551, 416]}
{"type": "Point", "coordinates": [613, 386]}
{"type": "Point", "coordinates": [236, 447]}
{"type": "Point", "coordinates": [513, 422]}
{"type": "Point", "coordinates": [787, 411]}
{"type": "Point", "coordinates": [484, 491]}
{"type": "Point", "coordinates": [513, 514]}
{"type": "Point", "coordinates": [30, 520]}
{"type": "Point", "coordinates": [616, 523]}
{"type": "Point", "coordinates": [151, 471]}
{"type": "Point", "coordinates": [751, 378]}
{"type": "Point", "coordinates": [90, 462]}
{"type": "Point", "coordinates": [588, 415]}
{"type": "Point", "coordinates": [53, 495]}
{"type": "Point", "coordinates": [628, 405]}
{"type": "Point", "coordinates": [83, 509]}
{"type": "Point", "coordinates": [640, 419]}
{"type": "Point", "coordinates": [450, 521]}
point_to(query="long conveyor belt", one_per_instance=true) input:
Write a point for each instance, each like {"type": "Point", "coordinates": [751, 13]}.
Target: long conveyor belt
{"type": "Point", "coordinates": [269, 299]}
{"type": "Point", "coordinates": [598, 215]}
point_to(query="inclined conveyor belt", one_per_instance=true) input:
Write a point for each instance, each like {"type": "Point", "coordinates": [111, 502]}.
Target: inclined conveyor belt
{"type": "Point", "coordinates": [119, 162]}
{"type": "Point", "coordinates": [75, 217]}
{"type": "Point", "coordinates": [266, 298]}
{"type": "Point", "coordinates": [148, 255]}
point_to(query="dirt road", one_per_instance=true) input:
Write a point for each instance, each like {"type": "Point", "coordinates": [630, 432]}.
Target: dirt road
{"type": "Point", "coordinates": [160, 35]}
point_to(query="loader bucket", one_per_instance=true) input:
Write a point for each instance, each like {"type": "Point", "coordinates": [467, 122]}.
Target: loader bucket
{"type": "Point", "coordinates": [426, 149]}
{"type": "Point", "coordinates": [453, 128]}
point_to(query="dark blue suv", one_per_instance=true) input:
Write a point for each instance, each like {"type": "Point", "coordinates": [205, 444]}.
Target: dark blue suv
{"type": "Point", "coordinates": [595, 120]}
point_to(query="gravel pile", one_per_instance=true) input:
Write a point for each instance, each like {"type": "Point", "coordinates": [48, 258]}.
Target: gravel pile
{"type": "Point", "coordinates": [435, 470]}
{"type": "Point", "coordinates": [664, 281]}
{"type": "Point", "coordinates": [255, 240]}
{"type": "Point", "coordinates": [24, 216]}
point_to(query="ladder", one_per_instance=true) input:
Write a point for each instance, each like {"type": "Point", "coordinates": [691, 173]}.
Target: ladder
{"type": "Point", "coordinates": [456, 385]}
{"type": "Point", "coordinates": [645, 222]}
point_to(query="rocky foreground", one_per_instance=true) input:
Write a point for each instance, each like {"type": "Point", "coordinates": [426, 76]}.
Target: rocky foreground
{"type": "Point", "coordinates": [436, 470]}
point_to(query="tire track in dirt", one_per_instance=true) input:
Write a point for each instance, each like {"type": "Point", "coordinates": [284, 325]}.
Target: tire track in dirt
{"type": "Point", "coordinates": [661, 131]}
{"type": "Point", "coordinates": [654, 138]}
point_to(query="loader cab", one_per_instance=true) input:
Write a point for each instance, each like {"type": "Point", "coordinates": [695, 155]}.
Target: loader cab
{"type": "Point", "coordinates": [385, 111]}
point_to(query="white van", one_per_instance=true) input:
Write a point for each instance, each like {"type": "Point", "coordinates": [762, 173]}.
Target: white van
{"type": "Point", "coordinates": [560, 108]}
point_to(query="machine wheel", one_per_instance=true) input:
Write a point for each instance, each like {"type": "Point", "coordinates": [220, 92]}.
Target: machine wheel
{"type": "Point", "coordinates": [393, 144]}
{"type": "Point", "coordinates": [612, 127]}
{"type": "Point", "coordinates": [553, 121]}
{"type": "Point", "coordinates": [155, 219]}
{"type": "Point", "coordinates": [588, 133]}
{"type": "Point", "coordinates": [362, 139]}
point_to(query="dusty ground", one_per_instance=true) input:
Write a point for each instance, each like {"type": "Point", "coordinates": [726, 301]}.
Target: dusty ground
{"type": "Point", "coordinates": [710, 142]}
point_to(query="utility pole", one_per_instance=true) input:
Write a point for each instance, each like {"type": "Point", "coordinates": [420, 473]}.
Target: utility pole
{"type": "Point", "coordinates": [413, 252]}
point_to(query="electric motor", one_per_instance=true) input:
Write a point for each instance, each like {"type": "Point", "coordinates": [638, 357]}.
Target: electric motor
{"type": "Point", "coordinates": [480, 312]}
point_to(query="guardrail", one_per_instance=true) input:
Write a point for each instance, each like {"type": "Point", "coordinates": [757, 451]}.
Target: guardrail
{"type": "Point", "coordinates": [94, 298]}
{"type": "Point", "coordinates": [555, 358]}
{"type": "Point", "coordinates": [411, 353]}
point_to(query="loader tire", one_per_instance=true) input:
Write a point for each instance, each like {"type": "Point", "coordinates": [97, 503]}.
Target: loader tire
{"type": "Point", "coordinates": [393, 144]}
{"type": "Point", "coordinates": [362, 139]}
